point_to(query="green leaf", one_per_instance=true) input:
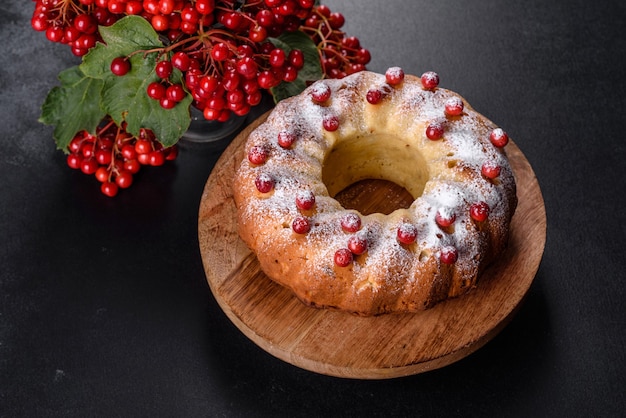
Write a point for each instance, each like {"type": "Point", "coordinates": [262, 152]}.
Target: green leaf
{"type": "Point", "coordinates": [312, 70]}
{"type": "Point", "coordinates": [124, 98]}
{"type": "Point", "coordinates": [124, 37]}
{"type": "Point", "coordinates": [72, 107]}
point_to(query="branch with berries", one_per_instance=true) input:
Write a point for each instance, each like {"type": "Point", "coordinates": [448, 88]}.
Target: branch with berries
{"type": "Point", "coordinates": [146, 63]}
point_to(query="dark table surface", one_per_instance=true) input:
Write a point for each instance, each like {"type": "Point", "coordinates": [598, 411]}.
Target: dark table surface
{"type": "Point", "coordinates": [104, 305]}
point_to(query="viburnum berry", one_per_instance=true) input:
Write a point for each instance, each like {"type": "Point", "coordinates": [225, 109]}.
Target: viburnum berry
{"type": "Point", "coordinates": [264, 183]}
{"type": "Point", "coordinates": [445, 217]}
{"type": "Point", "coordinates": [286, 139]}
{"type": "Point", "coordinates": [220, 52]}
{"type": "Point", "coordinates": [330, 123]}
{"type": "Point", "coordinates": [434, 131]}
{"type": "Point", "coordinates": [109, 189]}
{"type": "Point", "coordinates": [357, 244]}
{"type": "Point", "coordinates": [167, 103]}
{"type": "Point", "coordinates": [320, 92]}
{"type": "Point", "coordinates": [102, 174]}
{"type": "Point", "coordinates": [120, 66]}
{"type": "Point", "coordinates": [499, 138]}
{"type": "Point", "coordinates": [343, 257]}
{"type": "Point", "coordinates": [258, 155]}
{"type": "Point", "coordinates": [305, 199]}
{"type": "Point", "coordinates": [164, 69]}
{"type": "Point", "coordinates": [454, 106]}
{"type": "Point", "coordinates": [175, 92]}
{"type": "Point", "coordinates": [479, 211]}
{"type": "Point", "coordinates": [490, 169]}
{"type": "Point", "coordinates": [74, 161]}
{"type": "Point", "coordinates": [301, 225]}
{"type": "Point", "coordinates": [407, 233]}
{"type": "Point", "coordinates": [205, 7]}
{"type": "Point", "coordinates": [394, 75]}
{"type": "Point", "coordinates": [296, 58]}
{"type": "Point", "coordinates": [430, 80]}
{"type": "Point", "coordinates": [124, 179]}
{"type": "Point", "coordinates": [181, 61]}
{"type": "Point", "coordinates": [156, 90]}
{"type": "Point", "coordinates": [448, 254]}
{"type": "Point", "coordinates": [351, 222]}
{"type": "Point", "coordinates": [89, 165]}
{"type": "Point", "coordinates": [374, 96]}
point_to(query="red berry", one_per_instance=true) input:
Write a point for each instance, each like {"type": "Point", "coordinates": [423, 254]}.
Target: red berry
{"type": "Point", "coordinates": [257, 155]}
{"type": "Point", "coordinates": [175, 92]}
{"type": "Point", "coordinates": [490, 170]}
{"type": "Point", "coordinates": [120, 66]}
{"type": "Point", "coordinates": [301, 225]}
{"type": "Point", "coordinates": [85, 23]}
{"type": "Point", "coordinates": [374, 96]}
{"type": "Point", "coordinates": [109, 189]}
{"type": "Point", "coordinates": [181, 61]}
{"type": "Point", "coordinates": [394, 75]}
{"type": "Point", "coordinates": [124, 179]}
{"type": "Point", "coordinates": [305, 199]}
{"type": "Point", "coordinates": [343, 257]}
{"type": "Point", "coordinates": [156, 90]}
{"type": "Point", "coordinates": [89, 166]}
{"type": "Point", "coordinates": [479, 211]}
{"type": "Point", "coordinates": [445, 217]}
{"type": "Point", "coordinates": [205, 7]}
{"type": "Point", "coordinates": [331, 123]}
{"type": "Point", "coordinates": [264, 183]}
{"type": "Point", "coordinates": [357, 244]}
{"type": "Point", "coordinates": [143, 146]}
{"type": "Point", "coordinates": [104, 157]}
{"type": "Point", "coordinates": [164, 69]}
{"type": "Point", "coordinates": [499, 138]}
{"type": "Point", "coordinates": [220, 51]}
{"type": "Point", "coordinates": [434, 131]}
{"type": "Point", "coordinates": [407, 233]}
{"type": "Point", "coordinates": [156, 158]}
{"type": "Point", "coordinates": [351, 222]}
{"type": "Point", "coordinates": [74, 161]}
{"type": "Point", "coordinates": [454, 106]}
{"type": "Point", "coordinates": [167, 103]}
{"type": "Point", "coordinates": [128, 152]}
{"type": "Point", "coordinates": [448, 255]}
{"type": "Point", "coordinates": [247, 67]}
{"type": "Point", "coordinates": [430, 80]}
{"type": "Point", "coordinates": [286, 139]}
{"type": "Point", "coordinates": [320, 92]}
{"type": "Point", "coordinates": [102, 174]}
{"type": "Point", "coordinates": [277, 57]}
{"type": "Point", "coordinates": [296, 58]}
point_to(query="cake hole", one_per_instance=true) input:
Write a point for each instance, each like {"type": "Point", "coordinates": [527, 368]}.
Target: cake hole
{"type": "Point", "coordinates": [374, 196]}
{"type": "Point", "coordinates": [452, 163]}
{"type": "Point", "coordinates": [374, 173]}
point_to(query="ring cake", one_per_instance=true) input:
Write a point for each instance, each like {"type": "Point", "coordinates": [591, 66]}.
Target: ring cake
{"type": "Point", "coordinates": [404, 129]}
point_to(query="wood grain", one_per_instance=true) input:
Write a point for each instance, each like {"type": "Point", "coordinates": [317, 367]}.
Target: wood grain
{"type": "Point", "coordinates": [340, 344]}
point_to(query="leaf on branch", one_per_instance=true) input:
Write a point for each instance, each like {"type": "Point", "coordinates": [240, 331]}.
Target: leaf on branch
{"type": "Point", "coordinates": [312, 70]}
{"type": "Point", "coordinates": [73, 106]}
{"type": "Point", "coordinates": [124, 98]}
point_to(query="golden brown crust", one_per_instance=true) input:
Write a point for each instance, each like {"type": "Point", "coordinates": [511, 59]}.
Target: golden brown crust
{"type": "Point", "coordinates": [385, 140]}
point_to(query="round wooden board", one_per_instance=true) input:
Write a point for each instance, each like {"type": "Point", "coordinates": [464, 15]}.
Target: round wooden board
{"type": "Point", "coordinates": [338, 343]}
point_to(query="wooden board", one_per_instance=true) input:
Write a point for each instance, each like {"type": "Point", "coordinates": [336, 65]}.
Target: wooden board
{"type": "Point", "coordinates": [340, 344]}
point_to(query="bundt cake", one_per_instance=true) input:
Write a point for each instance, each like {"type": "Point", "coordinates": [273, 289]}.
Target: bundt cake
{"type": "Point", "coordinates": [392, 126]}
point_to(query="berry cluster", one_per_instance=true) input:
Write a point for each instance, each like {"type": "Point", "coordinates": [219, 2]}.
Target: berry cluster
{"type": "Point", "coordinates": [114, 156]}
{"type": "Point", "coordinates": [221, 46]}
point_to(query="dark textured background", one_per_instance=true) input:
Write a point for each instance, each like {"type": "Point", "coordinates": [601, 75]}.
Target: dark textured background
{"type": "Point", "coordinates": [105, 310]}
